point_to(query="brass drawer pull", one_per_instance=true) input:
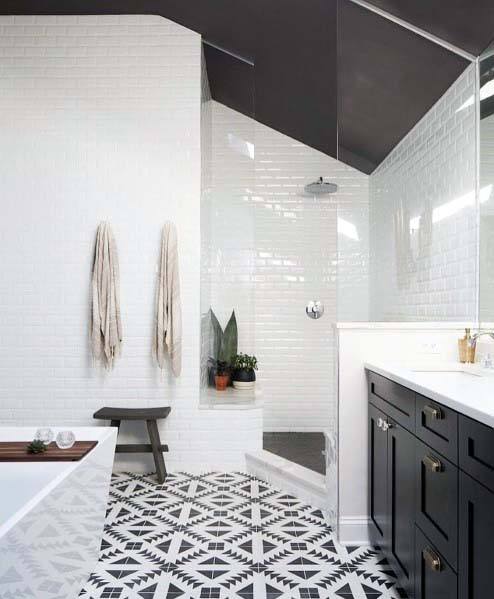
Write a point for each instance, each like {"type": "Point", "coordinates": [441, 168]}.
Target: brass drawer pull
{"type": "Point", "coordinates": [432, 560]}
{"type": "Point", "coordinates": [432, 463]}
{"type": "Point", "coordinates": [433, 412]}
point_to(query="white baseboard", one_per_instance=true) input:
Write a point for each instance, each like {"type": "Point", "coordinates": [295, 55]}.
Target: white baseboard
{"type": "Point", "coordinates": [354, 530]}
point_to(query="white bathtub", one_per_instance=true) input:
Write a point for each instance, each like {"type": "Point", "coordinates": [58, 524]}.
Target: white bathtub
{"type": "Point", "coordinates": [51, 518]}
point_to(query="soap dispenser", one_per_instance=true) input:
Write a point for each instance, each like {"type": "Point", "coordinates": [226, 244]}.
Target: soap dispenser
{"type": "Point", "coordinates": [464, 347]}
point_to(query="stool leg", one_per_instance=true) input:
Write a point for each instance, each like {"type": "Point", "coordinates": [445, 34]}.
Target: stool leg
{"type": "Point", "coordinates": [154, 437]}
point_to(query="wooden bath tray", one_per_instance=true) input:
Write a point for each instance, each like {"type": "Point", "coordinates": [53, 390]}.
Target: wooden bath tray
{"type": "Point", "coordinates": [16, 451]}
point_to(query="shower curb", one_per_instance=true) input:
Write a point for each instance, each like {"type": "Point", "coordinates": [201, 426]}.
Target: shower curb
{"type": "Point", "coordinates": [307, 485]}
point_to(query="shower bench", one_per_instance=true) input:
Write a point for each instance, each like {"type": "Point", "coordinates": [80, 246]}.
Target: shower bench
{"type": "Point", "coordinates": [151, 416]}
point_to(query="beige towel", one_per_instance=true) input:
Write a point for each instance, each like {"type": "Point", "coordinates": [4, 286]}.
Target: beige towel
{"type": "Point", "coordinates": [168, 326]}
{"type": "Point", "coordinates": [106, 327]}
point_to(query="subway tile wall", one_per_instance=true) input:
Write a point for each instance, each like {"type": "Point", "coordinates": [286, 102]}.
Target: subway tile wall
{"type": "Point", "coordinates": [301, 257]}
{"type": "Point", "coordinates": [101, 119]}
{"type": "Point", "coordinates": [424, 218]}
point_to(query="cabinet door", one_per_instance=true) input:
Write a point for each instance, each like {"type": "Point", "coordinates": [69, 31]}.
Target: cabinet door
{"type": "Point", "coordinates": [401, 503]}
{"type": "Point", "coordinates": [377, 484]}
{"type": "Point", "coordinates": [434, 577]}
{"type": "Point", "coordinates": [437, 500]}
{"type": "Point", "coordinates": [476, 523]}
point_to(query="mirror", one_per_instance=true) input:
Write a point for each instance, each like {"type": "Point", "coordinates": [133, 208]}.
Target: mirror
{"type": "Point", "coordinates": [486, 188]}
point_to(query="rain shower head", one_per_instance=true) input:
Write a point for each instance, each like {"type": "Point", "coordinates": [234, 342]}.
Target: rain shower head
{"type": "Point", "coordinates": [320, 187]}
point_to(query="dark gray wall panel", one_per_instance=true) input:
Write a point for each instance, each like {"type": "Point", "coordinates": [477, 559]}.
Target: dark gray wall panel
{"type": "Point", "coordinates": [295, 72]}
{"type": "Point", "coordinates": [231, 80]}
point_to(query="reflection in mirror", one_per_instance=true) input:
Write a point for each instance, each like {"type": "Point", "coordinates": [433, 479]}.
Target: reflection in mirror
{"type": "Point", "coordinates": [486, 195]}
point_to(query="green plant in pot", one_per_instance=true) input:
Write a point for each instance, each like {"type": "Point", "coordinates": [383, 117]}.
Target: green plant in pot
{"type": "Point", "coordinates": [222, 346]}
{"type": "Point", "coordinates": [244, 371]}
{"type": "Point", "coordinates": [222, 376]}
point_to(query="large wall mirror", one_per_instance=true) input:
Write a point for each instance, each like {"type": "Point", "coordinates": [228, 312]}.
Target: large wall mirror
{"type": "Point", "coordinates": [486, 192]}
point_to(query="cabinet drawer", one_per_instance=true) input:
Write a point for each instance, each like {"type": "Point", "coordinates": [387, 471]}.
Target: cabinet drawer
{"type": "Point", "coordinates": [437, 426]}
{"type": "Point", "coordinates": [476, 451]}
{"type": "Point", "coordinates": [393, 399]}
{"type": "Point", "coordinates": [437, 500]}
{"type": "Point", "coordinates": [434, 577]}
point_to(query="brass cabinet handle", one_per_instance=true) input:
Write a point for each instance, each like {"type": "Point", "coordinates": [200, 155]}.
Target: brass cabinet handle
{"type": "Point", "coordinates": [432, 463]}
{"type": "Point", "coordinates": [432, 560]}
{"type": "Point", "coordinates": [433, 412]}
{"type": "Point", "coordinates": [380, 422]}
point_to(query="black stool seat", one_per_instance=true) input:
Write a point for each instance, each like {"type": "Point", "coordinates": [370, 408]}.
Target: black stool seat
{"type": "Point", "coordinates": [132, 413]}
{"type": "Point", "coordinates": [150, 415]}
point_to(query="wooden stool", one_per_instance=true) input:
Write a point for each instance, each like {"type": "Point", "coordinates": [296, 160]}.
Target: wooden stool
{"type": "Point", "coordinates": [150, 415]}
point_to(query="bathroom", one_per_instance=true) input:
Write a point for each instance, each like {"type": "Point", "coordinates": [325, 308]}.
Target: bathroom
{"type": "Point", "coordinates": [328, 174]}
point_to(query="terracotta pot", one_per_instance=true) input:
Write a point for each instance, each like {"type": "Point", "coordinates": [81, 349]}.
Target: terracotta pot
{"type": "Point", "coordinates": [221, 381]}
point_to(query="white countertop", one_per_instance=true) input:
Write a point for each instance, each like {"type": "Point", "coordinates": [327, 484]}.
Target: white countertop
{"type": "Point", "coordinates": [468, 389]}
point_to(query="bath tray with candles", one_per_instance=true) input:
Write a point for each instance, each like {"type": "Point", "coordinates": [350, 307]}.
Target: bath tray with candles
{"type": "Point", "coordinates": [17, 451]}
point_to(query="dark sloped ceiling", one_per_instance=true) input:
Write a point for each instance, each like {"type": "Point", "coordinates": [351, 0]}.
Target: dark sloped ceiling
{"type": "Point", "coordinates": [467, 24]}
{"type": "Point", "coordinates": [387, 81]}
{"type": "Point", "coordinates": [368, 90]}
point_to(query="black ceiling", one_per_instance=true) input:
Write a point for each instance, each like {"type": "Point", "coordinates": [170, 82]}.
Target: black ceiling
{"type": "Point", "coordinates": [467, 24]}
{"type": "Point", "coordinates": [367, 90]}
{"type": "Point", "coordinates": [386, 82]}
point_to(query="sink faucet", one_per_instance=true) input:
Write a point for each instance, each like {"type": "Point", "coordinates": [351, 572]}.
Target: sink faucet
{"type": "Point", "coordinates": [475, 337]}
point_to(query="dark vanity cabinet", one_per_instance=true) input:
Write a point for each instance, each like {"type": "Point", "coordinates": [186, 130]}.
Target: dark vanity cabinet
{"type": "Point", "coordinates": [431, 493]}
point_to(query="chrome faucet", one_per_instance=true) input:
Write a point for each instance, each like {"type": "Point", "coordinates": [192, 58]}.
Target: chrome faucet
{"type": "Point", "coordinates": [474, 338]}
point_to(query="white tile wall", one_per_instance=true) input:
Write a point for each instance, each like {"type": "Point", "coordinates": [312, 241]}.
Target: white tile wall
{"type": "Point", "coordinates": [300, 257]}
{"type": "Point", "coordinates": [423, 216]}
{"type": "Point", "coordinates": [101, 119]}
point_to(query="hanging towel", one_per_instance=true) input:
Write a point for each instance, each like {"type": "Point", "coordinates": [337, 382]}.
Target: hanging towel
{"type": "Point", "coordinates": [168, 327]}
{"type": "Point", "coordinates": [106, 327]}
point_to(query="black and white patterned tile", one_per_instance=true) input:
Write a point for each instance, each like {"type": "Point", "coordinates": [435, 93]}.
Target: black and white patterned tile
{"type": "Point", "coordinates": [226, 536]}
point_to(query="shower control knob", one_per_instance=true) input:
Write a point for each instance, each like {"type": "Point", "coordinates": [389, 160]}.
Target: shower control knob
{"type": "Point", "coordinates": [314, 309]}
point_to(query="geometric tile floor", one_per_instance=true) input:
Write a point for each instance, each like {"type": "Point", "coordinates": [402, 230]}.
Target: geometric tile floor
{"type": "Point", "coordinates": [226, 536]}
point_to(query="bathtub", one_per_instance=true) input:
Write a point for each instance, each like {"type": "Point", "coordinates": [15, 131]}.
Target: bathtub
{"type": "Point", "coordinates": [51, 517]}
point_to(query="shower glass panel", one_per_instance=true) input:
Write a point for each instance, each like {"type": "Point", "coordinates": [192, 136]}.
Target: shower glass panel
{"type": "Point", "coordinates": [227, 215]}
{"type": "Point", "coordinates": [268, 248]}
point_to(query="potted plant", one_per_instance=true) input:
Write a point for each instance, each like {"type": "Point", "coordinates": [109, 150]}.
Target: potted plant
{"type": "Point", "coordinates": [222, 376]}
{"type": "Point", "coordinates": [222, 344]}
{"type": "Point", "coordinates": [244, 367]}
